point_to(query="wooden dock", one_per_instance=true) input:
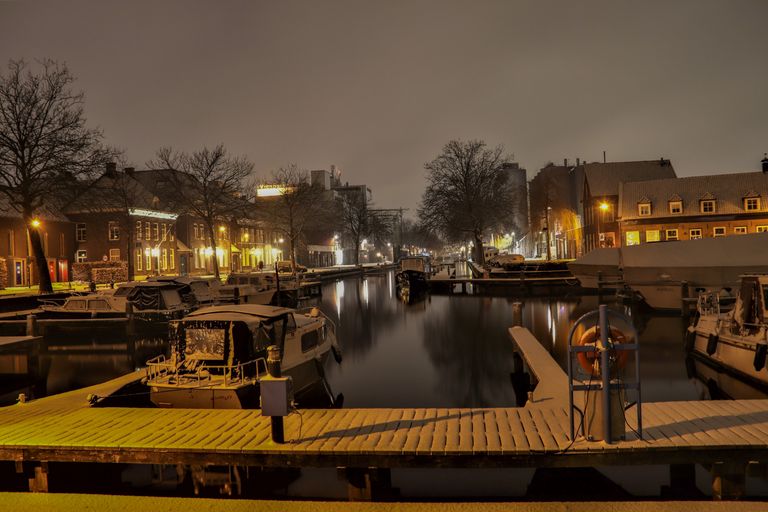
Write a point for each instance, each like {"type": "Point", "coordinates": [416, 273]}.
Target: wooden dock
{"type": "Point", "coordinates": [65, 428]}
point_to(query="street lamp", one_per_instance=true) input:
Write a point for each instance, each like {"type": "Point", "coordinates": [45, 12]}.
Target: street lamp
{"type": "Point", "coordinates": [35, 223]}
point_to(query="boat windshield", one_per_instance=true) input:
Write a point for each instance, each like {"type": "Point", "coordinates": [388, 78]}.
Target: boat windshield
{"type": "Point", "coordinates": [98, 304]}
{"type": "Point", "coordinates": [203, 343]}
{"type": "Point", "coordinates": [78, 304]}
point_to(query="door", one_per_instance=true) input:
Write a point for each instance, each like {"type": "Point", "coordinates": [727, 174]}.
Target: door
{"type": "Point", "coordinates": [18, 272]}
{"type": "Point", "coordinates": [63, 271]}
{"type": "Point", "coordinates": [52, 269]}
{"type": "Point", "coordinates": [183, 262]}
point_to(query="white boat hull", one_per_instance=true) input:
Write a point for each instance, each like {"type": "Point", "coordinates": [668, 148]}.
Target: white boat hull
{"type": "Point", "coordinates": [733, 353]}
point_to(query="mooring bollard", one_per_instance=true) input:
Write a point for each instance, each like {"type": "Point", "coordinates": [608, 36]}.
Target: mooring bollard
{"type": "Point", "coordinates": [31, 325]}
{"type": "Point", "coordinates": [517, 314]}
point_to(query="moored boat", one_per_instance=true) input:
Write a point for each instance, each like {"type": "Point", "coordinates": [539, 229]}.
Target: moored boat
{"type": "Point", "coordinates": [737, 339]}
{"type": "Point", "coordinates": [218, 354]}
{"type": "Point", "coordinates": [412, 275]}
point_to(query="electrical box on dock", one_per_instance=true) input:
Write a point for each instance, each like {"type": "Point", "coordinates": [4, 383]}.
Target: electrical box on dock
{"type": "Point", "coordinates": [593, 415]}
{"type": "Point", "coordinates": [276, 395]}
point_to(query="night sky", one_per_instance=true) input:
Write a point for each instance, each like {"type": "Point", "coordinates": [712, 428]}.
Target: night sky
{"type": "Point", "coordinates": [378, 87]}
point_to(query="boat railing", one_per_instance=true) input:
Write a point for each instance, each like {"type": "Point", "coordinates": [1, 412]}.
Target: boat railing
{"type": "Point", "coordinates": [194, 370]}
{"type": "Point", "coordinates": [709, 303]}
{"type": "Point", "coordinates": [159, 367]}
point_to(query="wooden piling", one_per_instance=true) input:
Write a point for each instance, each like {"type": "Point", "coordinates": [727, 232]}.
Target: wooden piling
{"type": "Point", "coordinates": [517, 314]}
{"type": "Point", "coordinates": [684, 306]}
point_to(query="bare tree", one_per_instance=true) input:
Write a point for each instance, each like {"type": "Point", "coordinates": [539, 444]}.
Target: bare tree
{"type": "Point", "coordinates": [300, 206]}
{"type": "Point", "coordinates": [466, 193]}
{"type": "Point", "coordinates": [45, 146]}
{"type": "Point", "coordinates": [353, 217]}
{"type": "Point", "coordinates": [207, 184]}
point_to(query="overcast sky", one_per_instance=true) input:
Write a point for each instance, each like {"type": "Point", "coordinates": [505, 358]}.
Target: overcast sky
{"type": "Point", "coordinates": [377, 88]}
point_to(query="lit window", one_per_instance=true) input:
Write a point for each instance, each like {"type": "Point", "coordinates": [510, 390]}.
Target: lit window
{"type": "Point", "coordinates": [139, 260]}
{"type": "Point", "coordinates": [762, 229]}
{"type": "Point", "coordinates": [164, 261]}
{"type": "Point", "coordinates": [164, 231]}
{"type": "Point", "coordinates": [156, 231]}
{"type": "Point", "coordinates": [718, 231]}
{"type": "Point", "coordinates": [671, 234]}
{"type": "Point", "coordinates": [147, 231]}
{"type": "Point", "coordinates": [644, 209]}
{"type": "Point", "coordinates": [740, 230]}
{"type": "Point", "coordinates": [695, 233]}
{"type": "Point", "coordinates": [138, 230]}
{"type": "Point", "coordinates": [633, 238]}
{"type": "Point", "coordinates": [80, 231]}
{"type": "Point", "coordinates": [752, 204]}
{"type": "Point", "coordinates": [675, 207]}
{"type": "Point", "coordinates": [652, 235]}
{"type": "Point", "coordinates": [114, 255]}
{"type": "Point", "coordinates": [81, 256]}
{"type": "Point", "coordinates": [173, 259]}
{"type": "Point", "coordinates": [708, 206]}
{"type": "Point", "coordinates": [114, 231]}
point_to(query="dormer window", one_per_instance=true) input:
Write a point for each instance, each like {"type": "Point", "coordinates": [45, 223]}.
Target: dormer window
{"type": "Point", "coordinates": [644, 209]}
{"type": "Point", "coordinates": [708, 206]}
{"type": "Point", "coordinates": [751, 204]}
{"type": "Point", "coordinates": [675, 207]}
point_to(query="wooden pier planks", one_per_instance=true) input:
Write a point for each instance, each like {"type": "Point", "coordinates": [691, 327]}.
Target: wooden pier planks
{"type": "Point", "coordinates": [66, 428]}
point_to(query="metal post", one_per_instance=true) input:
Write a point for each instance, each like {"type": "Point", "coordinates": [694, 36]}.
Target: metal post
{"type": "Point", "coordinates": [31, 325]}
{"type": "Point", "coordinates": [273, 367]}
{"type": "Point", "coordinates": [683, 302]}
{"type": "Point", "coordinates": [605, 373]}
{"type": "Point", "coordinates": [236, 295]}
{"type": "Point", "coordinates": [517, 314]}
{"type": "Point", "coordinates": [277, 284]}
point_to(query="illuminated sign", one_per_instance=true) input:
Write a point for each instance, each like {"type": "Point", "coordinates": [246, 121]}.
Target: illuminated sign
{"type": "Point", "coordinates": [271, 190]}
{"type": "Point", "coordinates": [138, 212]}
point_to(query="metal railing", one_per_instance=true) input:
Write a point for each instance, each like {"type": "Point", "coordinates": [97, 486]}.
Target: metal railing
{"type": "Point", "coordinates": [194, 370]}
{"type": "Point", "coordinates": [708, 303]}
{"type": "Point", "coordinates": [328, 322]}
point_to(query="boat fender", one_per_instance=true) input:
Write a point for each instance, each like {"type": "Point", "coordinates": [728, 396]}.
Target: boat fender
{"type": "Point", "coordinates": [760, 352]}
{"type": "Point", "coordinates": [336, 353]}
{"type": "Point", "coordinates": [690, 338]}
{"type": "Point", "coordinates": [590, 361]}
{"type": "Point", "coordinates": [712, 343]}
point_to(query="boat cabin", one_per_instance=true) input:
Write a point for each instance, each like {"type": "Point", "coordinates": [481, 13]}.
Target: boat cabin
{"type": "Point", "coordinates": [750, 310]}
{"type": "Point", "coordinates": [415, 264]}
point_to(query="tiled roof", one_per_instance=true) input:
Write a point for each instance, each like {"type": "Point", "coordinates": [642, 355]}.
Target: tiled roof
{"type": "Point", "coordinates": [729, 190]}
{"type": "Point", "coordinates": [46, 213]}
{"type": "Point", "coordinates": [604, 178]}
{"type": "Point", "coordinates": [102, 195]}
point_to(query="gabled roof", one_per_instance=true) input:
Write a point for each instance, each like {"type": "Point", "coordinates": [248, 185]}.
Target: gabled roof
{"type": "Point", "coordinates": [103, 195]}
{"type": "Point", "coordinates": [604, 178]}
{"type": "Point", "coordinates": [46, 213]}
{"type": "Point", "coordinates": [729, 190]}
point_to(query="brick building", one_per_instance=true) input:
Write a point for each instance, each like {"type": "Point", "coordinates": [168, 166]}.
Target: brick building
{"type": "Point", "coordinates": [693, 207]}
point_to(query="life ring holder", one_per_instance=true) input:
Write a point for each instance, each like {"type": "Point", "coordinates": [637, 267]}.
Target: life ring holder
{"type": "Point", "coordinates": [593, 318]}
{"type": "Point", "coordinates": [589, 361]}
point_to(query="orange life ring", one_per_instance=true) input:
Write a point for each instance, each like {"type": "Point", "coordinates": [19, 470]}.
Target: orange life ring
{"type": "Point", "coordinates": [590, 361]}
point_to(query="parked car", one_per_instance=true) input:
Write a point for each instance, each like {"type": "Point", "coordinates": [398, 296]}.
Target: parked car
{"type": "Point", "coordinates": [285, 266]}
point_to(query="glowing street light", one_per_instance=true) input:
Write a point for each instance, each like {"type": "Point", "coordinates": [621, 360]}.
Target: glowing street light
{"type": "Point", "coordinates": [35, 223]}
{"type": "Point", "coordinates": [281, 240]}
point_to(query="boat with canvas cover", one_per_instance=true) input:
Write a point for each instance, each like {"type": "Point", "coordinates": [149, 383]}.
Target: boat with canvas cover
{"type": "Point", "coordinates": [218, 354]}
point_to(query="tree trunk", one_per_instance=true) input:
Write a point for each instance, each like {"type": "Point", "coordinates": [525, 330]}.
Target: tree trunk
{"type": "Point", "coordinates": [39, 256]}
{"type": "Point", "coordinates": [479, 253]}
{"type": "Point", "coordinates": [357, 251]}
{"type": "Point", "coordinates": [293, 256]}
{"type": "Point", "coordinates": [212, 234]}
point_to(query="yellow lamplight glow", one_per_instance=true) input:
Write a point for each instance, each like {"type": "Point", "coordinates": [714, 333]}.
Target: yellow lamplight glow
{"type": "Point", "coordinates": [604, 206]}
{"type": "Point", "coordinates": [222, 229]}
{"type": "Point", "coordinates": [35, 223]}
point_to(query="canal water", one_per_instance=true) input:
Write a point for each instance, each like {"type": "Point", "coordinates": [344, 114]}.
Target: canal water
{"type": "Point", "coordinates": [437, 351]}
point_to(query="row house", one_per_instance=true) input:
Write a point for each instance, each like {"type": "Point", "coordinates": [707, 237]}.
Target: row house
{"type": "Point", "coordinates": [17, 264]}
{"type": "Point", "coordinates": [555, 218]}
{"type": "Point", "coordinates": [600, 196]}
{"type": "Point", "coordinates": [694, 207]}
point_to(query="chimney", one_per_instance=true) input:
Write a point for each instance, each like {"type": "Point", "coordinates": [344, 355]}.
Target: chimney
{"type": "Point", "coordinates": [603, 156]}
{"type": "Point", "coordinates": [111, 169]}
{"type": "Point", "coordinates": [565, 162]}
{"type": "Point", "coordinates": [578, 161]}
{"type": "Point", "coordinates": [129, 171]}
{"type": "Point", "coordinates": [764, 161]}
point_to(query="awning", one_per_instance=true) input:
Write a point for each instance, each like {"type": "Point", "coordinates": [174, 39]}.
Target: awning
{"type": "Point", "coordinates": [181, 247]}
{"type": "Point", "coordinates": [233, 248]}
